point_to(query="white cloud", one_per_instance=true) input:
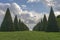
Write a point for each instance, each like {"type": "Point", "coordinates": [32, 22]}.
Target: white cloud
{"type": "Point", "coordinates": [57, 13]}
{"type": "Point", "coordinates": [50, 2]}
{"type": "Point", "coordinates": [33, 15]}
{"type": "Point", "coordinates": [33, 1]}
{"type": "Point", "coordinates": [24, 6]}
{"type": "Point", "coordinates": [29, 17]}
{"type": "Point", "coordinates": [54, 3]}
{"type": "Point", "coordinates": [15, 9]}
{"type": "Point", "coordinates": [1, 12]}
{"type": "Point", "coordinates": [36, 17]}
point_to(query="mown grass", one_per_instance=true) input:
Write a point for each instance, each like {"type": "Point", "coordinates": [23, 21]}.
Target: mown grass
{"type": "Point", "coordinates": [28, 35]}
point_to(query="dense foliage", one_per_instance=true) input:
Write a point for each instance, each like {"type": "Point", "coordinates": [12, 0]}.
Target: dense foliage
{"type": "Point", "coordinates": [8, 25]}
{"type": "Point", "coordinates": [50, 25]}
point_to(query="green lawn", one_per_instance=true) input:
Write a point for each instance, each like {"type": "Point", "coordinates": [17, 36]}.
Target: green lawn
{"type": "Point", "coordinates": [27, 35]}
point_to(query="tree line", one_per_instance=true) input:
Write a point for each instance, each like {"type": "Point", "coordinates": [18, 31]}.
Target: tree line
{"type": "Point", "coordinates": [49, 25]}
{"type": "Point", "coordinates": [9, 25]}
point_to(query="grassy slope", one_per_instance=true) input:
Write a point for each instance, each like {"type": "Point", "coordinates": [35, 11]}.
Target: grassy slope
{"type": "Point", "coordinates": [29, 36]}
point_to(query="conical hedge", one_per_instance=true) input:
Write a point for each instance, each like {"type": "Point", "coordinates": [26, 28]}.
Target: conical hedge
{"type": "Point", "coordinates": [52, 23]}
{"type": "Point", "coordinates": [16, 24]}
{"type": "Point", "coordinates": [44, 23]}
{"type": "Point", "coordinates": [7, 24]}
{"type": "Point", "coordinates": [37, 27]}
{"type": "Point", "coordinates": [22, 26]}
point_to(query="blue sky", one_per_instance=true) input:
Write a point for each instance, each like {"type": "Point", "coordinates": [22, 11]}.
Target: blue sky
{"type": "Point", "coordinates": [29, 11]}
{"type": "Point", "coordinates": [34, 6]}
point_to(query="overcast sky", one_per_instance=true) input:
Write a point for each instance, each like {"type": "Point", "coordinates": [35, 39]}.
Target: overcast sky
{"type": "Point", "coordinates": [29, 11]}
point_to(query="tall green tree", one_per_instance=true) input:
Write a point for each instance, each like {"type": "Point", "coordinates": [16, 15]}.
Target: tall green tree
{"type": "Point", "coordinates": [16, 24]}
{"type": "Point", "coordinates": [58, 16]}
{"type": "Point", "coordinates": [44, 23]}
{"type": "Point", "coordinates": [25, 28]}
{"type": "Point", "coordinates": [7, 24]}
{"type": "Point", "coordinates": [22, 26]}
{"type": "Point", "coordinates": [41, 25]}
{"type": "Point", "coordinates": [37, 27]}
{"type": "Point", "coordinates": [52, 23]}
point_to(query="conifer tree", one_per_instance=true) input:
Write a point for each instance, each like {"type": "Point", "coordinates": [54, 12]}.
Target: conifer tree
{"type": "Point", "coordinates": [7, 24]}
{"type": "Point", "coordinates": [37, 27]}
{"type": "Point", "coordinates": [52, 23]}
{"type": "Point", "coordinates": [16, 24]}
{"type": "Point", "coordinates": [20, 25]}
{"type": "Point", "coordinates": [58, 16]}
{"type": "Point", "coordinates": [41, 25]}
{"type": "Point", "coordinates": [23, 27]}
{"type": "Point", "coordinates": [44, 23]}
